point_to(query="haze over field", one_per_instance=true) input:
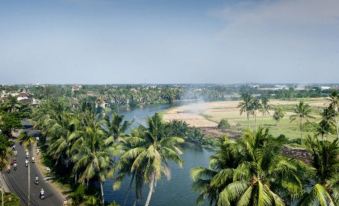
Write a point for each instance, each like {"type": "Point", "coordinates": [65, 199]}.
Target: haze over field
{"type": "Point", "coordinates": [169, 41]}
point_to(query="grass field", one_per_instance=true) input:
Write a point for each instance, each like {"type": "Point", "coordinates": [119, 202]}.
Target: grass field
{"type": "Point", "coordinates": [208, 114]}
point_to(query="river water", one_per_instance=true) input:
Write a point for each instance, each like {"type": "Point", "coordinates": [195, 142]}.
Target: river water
{"type": "Point", "coordinates": [174, 192]}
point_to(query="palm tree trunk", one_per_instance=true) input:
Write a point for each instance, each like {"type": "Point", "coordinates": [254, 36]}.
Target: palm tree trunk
{"type": "Point", "coordinates": [262, 119]}
{"type": "Point", "coordinates": [248, 120]}
{"type": "Point", "coordinates": [301, 129]}
{"type": "Point", "coordinates": [337, 125]}
{"type": "Point", "coordinates": [102, 193]}
{"type": "Point", "coordinates": [255, 122]}
{"type": "Point", "coordinates": [151, 187]}
{"type": "Point", "coordinates": [128, 190]}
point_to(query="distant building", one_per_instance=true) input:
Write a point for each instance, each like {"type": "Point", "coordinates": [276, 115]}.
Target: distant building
{"type": "Point", "coordinates": [300, 87]}
{"type": "Point", "coordinates": [76, 88]}
{"type": "Point", "coordinates": [325, 87]}
{"type": "Point", "coordinates": [35, 101]}
{"type": "Point", "coordinates": [91, 94]}
{"type": "Point", "coordinates": [23, 96]}
{"type": "Point", "coordinates": [274, 88]}
{"type": "Point", "coordinates": [101, 102]}
{"type": "Point", "coordinates": [255, 86]}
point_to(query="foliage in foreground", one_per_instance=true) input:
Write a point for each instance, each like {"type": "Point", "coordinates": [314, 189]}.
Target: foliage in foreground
{"type": "Point", "coordinates": [11, 199]}
{"type": "Point", "coordinates": [252, 171]}
{"type": "Point", "coordinates": [5, 151]}
{"type": "Point", "coordinates": [241, 172]}
{"type": "Point", "coordinates": [146, 155]}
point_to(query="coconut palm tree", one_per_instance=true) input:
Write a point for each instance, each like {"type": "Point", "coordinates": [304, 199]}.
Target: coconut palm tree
{"type": "Point", "coordinates": [115, 127]}
{"type": "Point", "coordinates": [49, 117]}
{"type": "Point", "coordinates": [255, 106]}
{"type": "Point", "coordinates": [302, 113]}
{"type": "Point", "coordinates": [334, 102]}
{"type": "Point", "coordinates": [150, 155]}
{"type": "Point", "coordinates": [265, 107]}
{"type": "Point", "coordinates": [325, 189]}
{"type": "Point", "coordinates": [124, 165]}
{"type": "Point", "coordinates": [327, 123]}
{"type": "Point", "coordinates": [324, 128]}
{"type": "Point", "coordinates": [60, 147]}
{"type": "Point", "coordinates": [5, 152]}
{"type": "Point", "coordinates": [26, 140]}
{"type": "Point", "coordinates": [93, 159]}
{"type": "Point", "coordinates": [210, 182]}
{"type": "Point", "coordinates": [11, 105]}
{"type": "Point", "coordinates": [245, 106]}
{"type": "Point", "coordinates": [251, 171]}
{"type": "Point", "coordinates": [278, 114]}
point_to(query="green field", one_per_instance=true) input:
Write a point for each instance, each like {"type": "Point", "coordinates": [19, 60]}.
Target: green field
{"type": "Point", "coordinates": [212, 112]}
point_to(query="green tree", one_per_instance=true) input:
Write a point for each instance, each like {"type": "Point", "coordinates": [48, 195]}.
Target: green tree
{"type": "Point", "coordinates": [278, 114]}
{"type": "Point", "coordinates": [150, 154]}
{"type": "Point", "coordinates": [91, 201]}
{"type": "Point", "coordinates": [5, 152]}
{"type": "Point", "coordinates": [325, 188]}
{"type": "Point", "coordinates": [265, 106]}
{"type": "Point", "coordinates": [8, 122]}
{"type": "Point", "coordinates": [223, 124]}
{"type": "Point", "coordinates": [327, 123]}
{"type": "Point", "coordinates": [302, 113]}
{"type": "Point", "coordinates": [93, 159]}
{"type": "Point", "coordinates": [115, 127]}
{"type": "Point", "coordinates": [26, 140]}
{"type": "Point", "coordinates": [11, 199]}
{"type": "Point", "coordinates": [177, 128]}
{"type": "Point", "coordinates": [245, 106]}
{"type": "Point", "coordinates": [78, 195]}
{"type": "Point", "coordinates": [255, 106]}
{"type": "Point", "coordinates": [64, 136]}
{"type": "Point", "coordinates": [334, 103]}
{"type": "Point", "coordinates": [12, 106]}
{"type": "Point", "coordinates": [324, 128]}
{"type": "Point", "coordinates": [249, 171]}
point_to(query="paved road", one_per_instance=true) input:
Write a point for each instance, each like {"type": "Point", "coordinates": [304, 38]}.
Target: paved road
{"type": "Point", "coordinates": [18, 182]}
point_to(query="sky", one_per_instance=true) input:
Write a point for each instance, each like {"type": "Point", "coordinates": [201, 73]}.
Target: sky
{"type": "Point", "coordinates": [169, 41]}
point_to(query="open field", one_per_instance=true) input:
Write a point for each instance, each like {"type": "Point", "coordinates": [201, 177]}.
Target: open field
{"type": "Point", "coordinates": [208, 114]}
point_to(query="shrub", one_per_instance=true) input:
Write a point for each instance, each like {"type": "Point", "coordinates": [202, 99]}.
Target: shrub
{"type": "Point", "coordinates": [11, 200]}
{"type": "Point", "coordinates": [223, 124]}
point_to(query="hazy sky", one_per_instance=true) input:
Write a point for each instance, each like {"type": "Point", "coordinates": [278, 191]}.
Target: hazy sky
{"type": "Point", "coordinates": [169, 41]}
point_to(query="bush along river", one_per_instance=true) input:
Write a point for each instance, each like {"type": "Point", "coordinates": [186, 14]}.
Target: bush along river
{"type": "Point", "coordinates": [174, 192]}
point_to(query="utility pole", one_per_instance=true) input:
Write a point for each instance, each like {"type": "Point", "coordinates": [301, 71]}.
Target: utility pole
{"type": "Point", "coordinates": [2, 197]}
{"type": "Point", "coordinates": [29, 182]}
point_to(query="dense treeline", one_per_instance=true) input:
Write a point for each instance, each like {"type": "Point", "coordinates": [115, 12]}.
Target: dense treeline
{"type": "Point", "coordinates": [86, 147]}
{"type": "Point", "coordinates": [143, 94]}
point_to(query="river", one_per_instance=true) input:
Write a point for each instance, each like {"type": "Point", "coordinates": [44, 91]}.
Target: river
{"type": "Point", "coordinates": [174, 192]}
